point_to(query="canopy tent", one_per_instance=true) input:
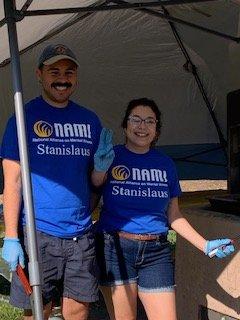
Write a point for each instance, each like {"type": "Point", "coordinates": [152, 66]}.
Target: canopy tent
{"type": "Point", "coordinates": [131, 53]}
{"type": "Point", "coordinates": [128, 53]}
{"type": "Point", "coordinates": [183, 54]}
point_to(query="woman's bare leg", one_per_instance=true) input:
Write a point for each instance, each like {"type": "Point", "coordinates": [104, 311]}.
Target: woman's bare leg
{"type": "Point", "coordinates": [121, 301]}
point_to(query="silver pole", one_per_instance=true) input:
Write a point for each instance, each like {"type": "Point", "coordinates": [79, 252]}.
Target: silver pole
{"type": "Point", "coordinates": [34, 275]}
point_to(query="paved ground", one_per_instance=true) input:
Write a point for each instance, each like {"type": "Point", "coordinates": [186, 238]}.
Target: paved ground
{"type": "Point", "coordinates": [203, 185]}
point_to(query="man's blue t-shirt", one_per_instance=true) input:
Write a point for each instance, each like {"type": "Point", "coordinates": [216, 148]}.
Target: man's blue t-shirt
{"type": "Point", "coordinates": [61, 145]}
{"type": "Point", "coordinates": [137, 192]}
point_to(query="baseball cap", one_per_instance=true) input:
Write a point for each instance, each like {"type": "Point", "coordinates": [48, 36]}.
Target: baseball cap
{"type": "Point", "coordinates": [54, 53]}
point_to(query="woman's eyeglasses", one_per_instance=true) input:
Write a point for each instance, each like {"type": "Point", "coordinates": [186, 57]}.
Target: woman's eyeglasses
{"type": "Point", "coordinates": [137, 121]}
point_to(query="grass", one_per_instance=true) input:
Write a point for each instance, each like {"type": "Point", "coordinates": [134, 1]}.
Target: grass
{"type": "Point", "coordinates": [7, 312]}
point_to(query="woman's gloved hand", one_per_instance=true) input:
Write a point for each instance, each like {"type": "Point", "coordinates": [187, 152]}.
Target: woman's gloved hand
{"type": "Point", "coordinates": [220, 248]}
{"type": "Point", "coordinates": [104, 155]}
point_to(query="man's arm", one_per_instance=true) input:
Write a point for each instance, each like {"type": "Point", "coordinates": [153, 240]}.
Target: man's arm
{"type": "Point", "coordinates": [12, 251]}
{"type": "Point", "coordinates": [12, 196]}
{"type": "Point", "coordinates": [98, 178]}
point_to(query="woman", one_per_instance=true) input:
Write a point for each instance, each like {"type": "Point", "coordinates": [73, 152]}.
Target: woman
{"type": "Point", "coordinates": [140, 201]}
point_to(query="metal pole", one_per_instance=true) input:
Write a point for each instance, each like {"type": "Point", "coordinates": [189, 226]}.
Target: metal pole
{"type": "Point", "coordinates": [222, 140]}
{"type": "Point", "coordinates": [34, 275]}
{"type": "Point", "coordinates": [125, 5]}
{"type": "Point", "coordinates": [170, 18]}
{"type": "Point", "coordinates": [193, 69]}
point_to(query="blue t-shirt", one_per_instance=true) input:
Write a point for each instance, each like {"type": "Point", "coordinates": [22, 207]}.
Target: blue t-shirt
{"type": "Point", "coordinates": [137, 192]}
{"type": "Point", "coordinates": [61, 145]}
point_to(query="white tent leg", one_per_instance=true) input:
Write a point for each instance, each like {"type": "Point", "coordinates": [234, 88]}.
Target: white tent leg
{"type": "Point", "coordinates": [34, 276]}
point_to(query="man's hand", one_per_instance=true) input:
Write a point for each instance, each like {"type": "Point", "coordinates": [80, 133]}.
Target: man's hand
{"type": "Point", "coordinates": [104, 155]}
{"type": "Point", "coordinates": [219, 248]}
{"type": "Point", "coordinates": [12, 253]}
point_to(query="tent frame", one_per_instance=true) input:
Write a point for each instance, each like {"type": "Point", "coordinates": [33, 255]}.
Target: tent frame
{"type": "Point", "coordinates": [120, 5]}
{"type": "Point", "coordinates": [11, 17]}
{"type": "Point", "coordinates": [33, 265]}
{"type": "Point", "coordinates": [190, 67]}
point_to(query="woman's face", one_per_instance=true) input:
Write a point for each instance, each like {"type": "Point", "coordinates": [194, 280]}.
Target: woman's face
{"type": "Point", "coordinates": [141, 129]}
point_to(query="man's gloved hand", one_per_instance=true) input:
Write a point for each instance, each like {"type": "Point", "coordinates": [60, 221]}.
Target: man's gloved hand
{"type": "Point", "coordinates": [104, 155]}
{"type": "Point", "coordinates": [12, 253]}
{"type": "Point", "coordinates": [223, 248]}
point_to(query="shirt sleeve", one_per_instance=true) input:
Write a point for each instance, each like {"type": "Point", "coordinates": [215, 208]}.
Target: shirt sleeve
{"type": "Point", "coordinates": [174, 185]}
{"type": "Point", "coordinates": [97, 132]}
{"type": "Point", "coordinates": [9, 146]}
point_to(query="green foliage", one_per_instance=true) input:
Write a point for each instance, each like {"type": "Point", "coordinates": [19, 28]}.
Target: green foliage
{"type": "Point", "coordinates": [7, 312]}
{"type": "Point", "coordinates": [172, 237]}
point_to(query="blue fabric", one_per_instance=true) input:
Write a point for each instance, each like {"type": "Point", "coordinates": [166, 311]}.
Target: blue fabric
{"type": "Point", "coordinates": [137, 192]}
{"type": "Point", "coordinates": [61, 142]}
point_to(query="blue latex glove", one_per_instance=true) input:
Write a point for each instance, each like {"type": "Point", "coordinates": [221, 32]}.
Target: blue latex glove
{"type": "Point", "coordinates": [224, 247]}
{"type": "Point", "coordinates": [12, 253]}
{"type": "Point", "coordinates": [104, 155]}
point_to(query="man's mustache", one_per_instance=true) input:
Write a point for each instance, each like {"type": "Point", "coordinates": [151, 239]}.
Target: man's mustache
{"type": "Point", "coordinates": [61, 84]}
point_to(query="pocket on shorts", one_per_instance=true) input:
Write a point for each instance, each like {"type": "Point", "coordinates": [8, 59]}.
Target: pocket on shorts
{"type": "Point", "coordinates": [162, 244]}
{"type": "Point", "coordinates": [159, 247]}
{"type": "Point", "coordinates": [109, 239]}
{"type": "Point", "coordinates": [89, 248]}
{"type": "Point", "coordinates": [91, 239]}
{"type": "Point", "coordinates": [105, 247]}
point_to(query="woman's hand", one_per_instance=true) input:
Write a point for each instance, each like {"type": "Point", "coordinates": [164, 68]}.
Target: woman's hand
{"type": "Point", "coordinates": [104, 155]}
{"type": "Point", "coordinates": [219, 248]}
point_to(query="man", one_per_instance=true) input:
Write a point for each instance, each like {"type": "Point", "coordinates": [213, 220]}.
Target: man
{"type": "Point", "coordinates": [62, 138]}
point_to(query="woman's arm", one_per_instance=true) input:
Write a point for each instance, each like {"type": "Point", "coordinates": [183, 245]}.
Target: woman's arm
{"type": "Point", "coordinates": [98, 178]}
{"type": "Point", "coordinates": [182, 226]}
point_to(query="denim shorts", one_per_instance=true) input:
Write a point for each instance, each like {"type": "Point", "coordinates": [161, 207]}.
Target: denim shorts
{"type": "Point", "coordinates": [124, 261]}
{"type": "Point", "coordinates": [68, 268]}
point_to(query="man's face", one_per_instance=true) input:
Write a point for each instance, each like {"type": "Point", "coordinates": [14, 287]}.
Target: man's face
{"type": "Point", "coordinates": [58, 81]}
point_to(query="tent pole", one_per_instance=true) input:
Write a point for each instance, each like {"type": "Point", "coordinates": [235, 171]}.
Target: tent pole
{"type": "Point", "coordinates": [34, 275]}
{"type": "Point", "coordinates": [192, 68]}
{"type": "Point", "coordinates": [222, 140]}
{"type": "Point", "coordinates": [170, 18]}
{"type": "Point", "coordinates": [122, 5]}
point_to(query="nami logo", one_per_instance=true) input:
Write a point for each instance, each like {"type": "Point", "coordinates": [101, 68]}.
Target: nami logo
{"type": "Point", "coordinates": [150, 175]}
{"type": "Point", "coordinates": [43, 129]}
{"type": "Point", "coordinates": [120, 173]}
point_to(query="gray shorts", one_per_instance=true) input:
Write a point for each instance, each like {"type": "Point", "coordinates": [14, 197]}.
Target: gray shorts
{"type": "Point", "coordinates": [68, 269]}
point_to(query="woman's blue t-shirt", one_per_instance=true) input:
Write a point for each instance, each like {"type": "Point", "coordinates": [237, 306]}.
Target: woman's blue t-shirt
{"type": "Point", "coordinates": [137, 192]}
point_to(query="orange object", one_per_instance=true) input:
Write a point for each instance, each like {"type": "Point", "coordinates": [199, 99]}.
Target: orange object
{"type": "Point", "coordinates": [24, 280]}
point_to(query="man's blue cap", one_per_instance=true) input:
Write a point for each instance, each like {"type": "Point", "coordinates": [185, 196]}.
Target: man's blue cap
{"type": "Point", "coordinates": [54, 53]}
